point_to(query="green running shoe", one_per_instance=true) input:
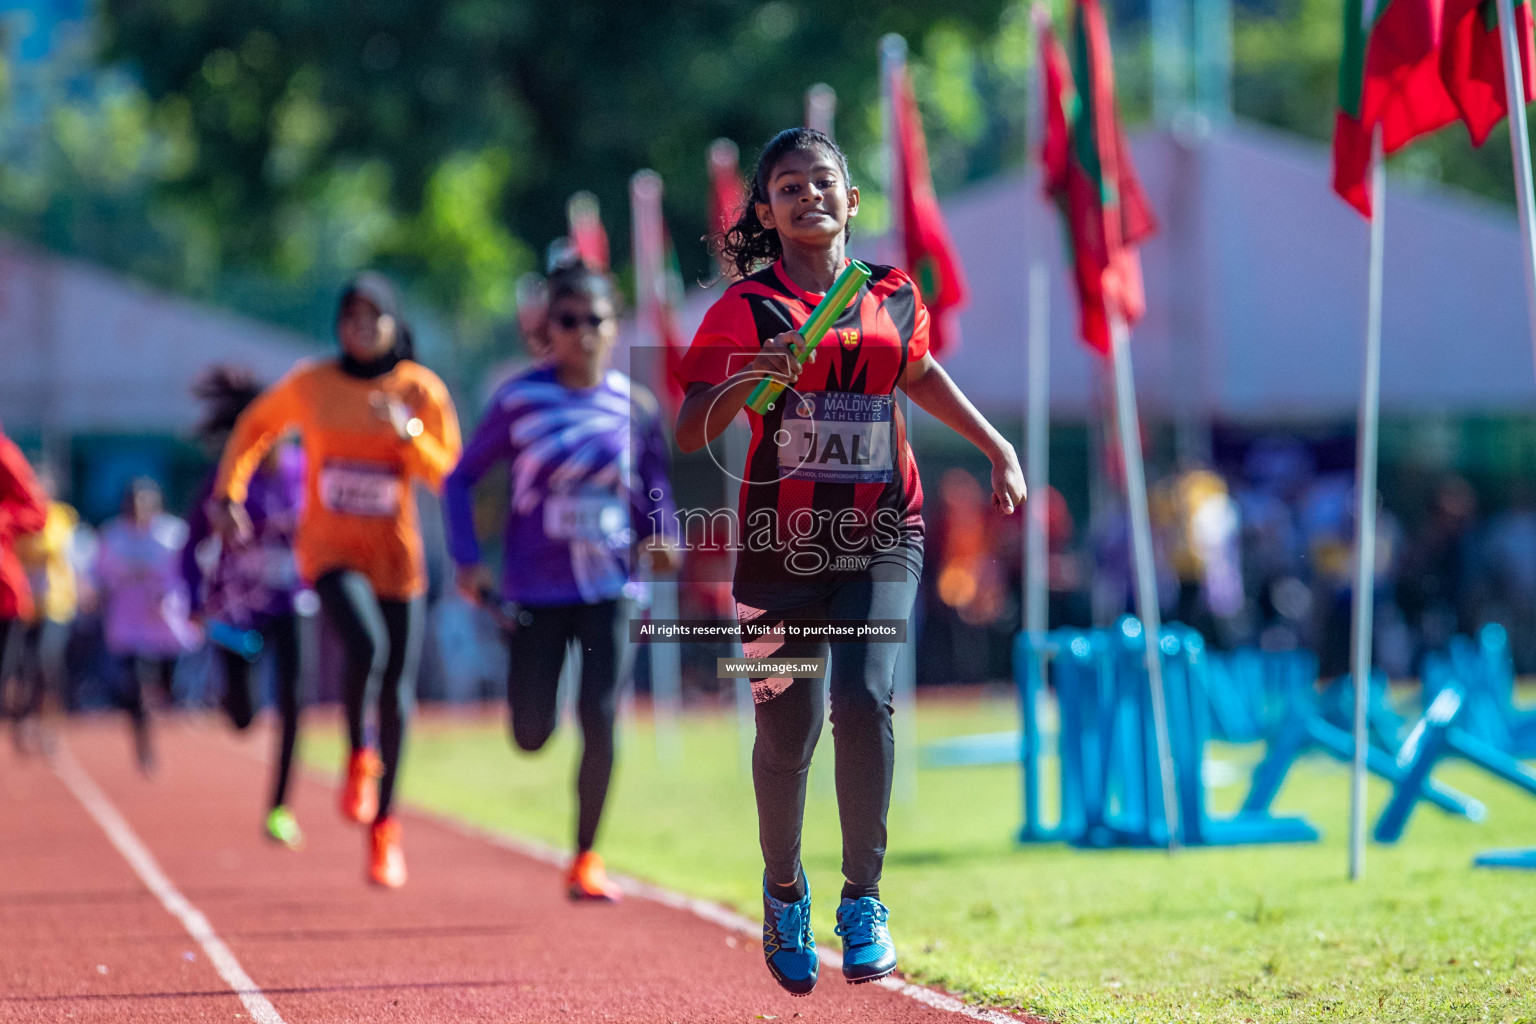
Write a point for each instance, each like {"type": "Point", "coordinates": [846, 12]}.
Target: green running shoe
{"type": "Point", "coordinates": [283, 827]}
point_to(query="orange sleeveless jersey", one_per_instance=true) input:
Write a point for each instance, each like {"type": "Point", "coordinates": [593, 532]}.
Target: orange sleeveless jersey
{"type": "Point", "coordinates": [359, 512]}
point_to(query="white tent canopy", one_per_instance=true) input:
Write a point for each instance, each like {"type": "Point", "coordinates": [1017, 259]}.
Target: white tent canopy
{"type": "Point", "coordinates": [85, 350]}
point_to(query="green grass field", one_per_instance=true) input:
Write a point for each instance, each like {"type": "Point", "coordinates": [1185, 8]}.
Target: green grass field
{"type": "Point", "coordinates": [1240, 934]}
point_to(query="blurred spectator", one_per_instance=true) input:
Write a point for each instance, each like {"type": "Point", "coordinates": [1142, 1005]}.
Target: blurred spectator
{"type": "Point", "coordinates": [145, 602]}
{"type": "Point", "coordinates": [1065, 578]}
{"type": "Point", "coordinates": [1433, 587]}
{"type": "Point", "coordinates": [1278, 471]}
{"type": "Point", "coordinates": [1509, 575]}
{"type": "Point", "coordinates": [1329, 520]}
{"type": "Point", "coordinates": [1114, 563]}
{"type": "Point", "coordinates": [974, 549]}
{"type": "Point", "coordinates": [1200, 525]}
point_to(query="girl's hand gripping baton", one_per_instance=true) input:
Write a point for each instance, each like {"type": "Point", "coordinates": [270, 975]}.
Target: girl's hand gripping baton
{"type": "Point", "coordinates": [814, 329]}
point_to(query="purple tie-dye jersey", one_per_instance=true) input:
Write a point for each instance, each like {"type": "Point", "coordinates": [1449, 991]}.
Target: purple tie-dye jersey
{"type": "Point", "coordinates": [250, 585]}
{"type": "Point", "coordinates": [588, 475]}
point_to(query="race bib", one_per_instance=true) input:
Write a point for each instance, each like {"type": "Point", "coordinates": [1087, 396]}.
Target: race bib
{"type": "Point", "coordinates": [600, 517]}
{"type": "Point", "coordinates": [271, 566]}
{"type": "Point", "coordinates": [836, 436]}
{"type": "Point", "coordinates": [360, 489]}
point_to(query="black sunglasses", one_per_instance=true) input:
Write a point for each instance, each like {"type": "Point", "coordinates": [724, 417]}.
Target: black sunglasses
{"type": "Point", "coordinates": [569, 321]}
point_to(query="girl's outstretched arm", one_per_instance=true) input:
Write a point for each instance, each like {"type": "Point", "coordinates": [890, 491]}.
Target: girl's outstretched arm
{"type": "Point", "coordinates": [926, 383]}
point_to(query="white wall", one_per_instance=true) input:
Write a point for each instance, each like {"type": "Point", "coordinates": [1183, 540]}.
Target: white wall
{"type": "Point", "coordinates": [85, 350]}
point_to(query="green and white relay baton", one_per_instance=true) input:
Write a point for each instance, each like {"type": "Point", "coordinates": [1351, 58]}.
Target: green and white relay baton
{"type": "Point", "coordinates": [814, 329]}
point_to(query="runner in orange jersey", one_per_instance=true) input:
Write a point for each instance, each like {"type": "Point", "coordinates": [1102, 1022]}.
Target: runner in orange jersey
{"type": "Point", "coordinates": [371, 423]}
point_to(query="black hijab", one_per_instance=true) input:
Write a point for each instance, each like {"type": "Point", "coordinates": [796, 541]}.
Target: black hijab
{"type": "Point", "coordinates": [375, 287]}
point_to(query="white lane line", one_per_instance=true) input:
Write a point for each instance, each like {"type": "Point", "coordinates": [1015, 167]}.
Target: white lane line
{"type": "Point", "coordinates": [711, 912]}
{"type": "Point", "coordinates": [714, 913]}
{"type": "Point", "coordinates": [143, 863]}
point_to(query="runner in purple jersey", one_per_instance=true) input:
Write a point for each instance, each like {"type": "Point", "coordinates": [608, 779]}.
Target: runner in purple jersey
{"type": "Point", "coordinates": [589, 490]}
{"type": "Point", "coordinates": [589, 480]}
{"type": "Point", "coordinates": [250, 597]}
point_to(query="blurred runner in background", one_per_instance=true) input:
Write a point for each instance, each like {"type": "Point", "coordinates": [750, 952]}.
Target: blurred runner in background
{"type": "Point", "coordinates": [23, 509]}
{"type": "Point", "coordinates": [49, 557]}
{"type": "Point", "coordinates": [144, 603]}
{"type": "Point", "coordinates": [588, 466]}
{"type": "Point", "coordinates": [372, 423]}
{"type": "Point", "coordinates": [249, 597]}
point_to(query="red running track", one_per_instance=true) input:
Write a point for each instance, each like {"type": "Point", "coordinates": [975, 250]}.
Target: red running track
{"type": "Point", "coordinates": [481, 932]}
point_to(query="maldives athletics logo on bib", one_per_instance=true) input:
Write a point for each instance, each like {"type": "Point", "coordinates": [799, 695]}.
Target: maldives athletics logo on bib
{"type": "Point", "coordinates": [850, 337]}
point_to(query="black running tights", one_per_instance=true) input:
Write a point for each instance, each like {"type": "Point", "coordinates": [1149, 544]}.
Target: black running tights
{"type": "Point", "coordinates": [280, 636]}
{"type": "Point", "coordinates": [538, 649]}
{"type": "Point", "coordinates": [862, 680]}
{"type": "Point", "coordinates": [382, 641]}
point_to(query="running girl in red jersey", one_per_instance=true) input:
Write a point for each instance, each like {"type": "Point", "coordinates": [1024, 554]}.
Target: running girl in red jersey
{"type": "Point", "coordinates": [371, 424]}
{"type": "Point", "coordinates": [831, 520]}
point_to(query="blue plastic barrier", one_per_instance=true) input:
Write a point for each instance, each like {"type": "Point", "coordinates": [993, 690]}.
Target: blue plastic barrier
{"type": "Point", "coordinates": [1484, 674]}
{"type": "Point", "coordinates": [1438, 736]}
{"type": "Point", "coordinates": [1251, 690]}
{"type": "Point", "coordinates": [1518, 860]}
{"type": "Point", "coordinates": [1111, 794]}
{"type": "Point", "coordinates": [1307, 728]}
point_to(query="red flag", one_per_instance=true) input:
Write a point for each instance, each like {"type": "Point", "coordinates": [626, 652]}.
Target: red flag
{"type": "Point", "coordinates": [727, 193]}
{"type": "Point", "coordinates": [1389, 76]}
{"type": "Point", "coordinates": [930, 255]}
{"type": "Point", "coordinates": [1089, 175]}
{"type": "Point", "coordinates": [1472, 61]}
{"type": "Point", "coordinates": [586, 230]}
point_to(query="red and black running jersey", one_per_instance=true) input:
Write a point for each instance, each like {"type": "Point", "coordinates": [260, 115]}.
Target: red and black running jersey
{"type": "Point", "coordinates": [830, 488]}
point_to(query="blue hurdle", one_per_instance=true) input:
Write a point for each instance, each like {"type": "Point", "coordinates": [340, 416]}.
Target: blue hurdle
{"type": "Point", "coordinates": [1516, 860]}
{"type": "Point", "coordinates": [1307, 728]}
{"type": "Point", "coordinates": [1109, 777]}
{"type": "Point", "coordinates": [1438, 736]}
{"type": "Point", "coordinates": [1485, 674]}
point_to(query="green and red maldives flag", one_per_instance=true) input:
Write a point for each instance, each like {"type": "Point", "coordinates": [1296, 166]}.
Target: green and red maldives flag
{"type": "Point", "coordinates": [926, 247]}
{"type": "Point", "coordinates": [1089, 175]}
{"type": "Point", "coordinates": [1472, 62]}
{"type": "Point", "coordinates": [1411, 67]}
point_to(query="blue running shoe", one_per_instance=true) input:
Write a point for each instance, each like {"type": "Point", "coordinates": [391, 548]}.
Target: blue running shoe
{"type": "Point", "coordinates": [868, 952]}
{"type": "Point", "coordinates": [788, 945]}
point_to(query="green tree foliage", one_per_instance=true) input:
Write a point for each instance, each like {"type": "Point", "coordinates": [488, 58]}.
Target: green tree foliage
{"type": "Point", "coordinates": [440, 138]}
{"type": "Point", "coordinates": [257, 151]}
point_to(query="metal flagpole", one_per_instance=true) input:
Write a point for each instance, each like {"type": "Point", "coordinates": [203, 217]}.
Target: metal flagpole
{"type": "Point", "coordinates": [893, 58]}
{"type": "Point", "coordinates": [1037, 410]}
{"type": "Point", "coordinates": [1146, 574]}
{"type": "Point", "coordinates": [821, 108]}
{"type": "Point", "coordinates": [1520, 151]}
{"type": "Point", "coordinates": [649, 243]}
{"type": "Point", "coordinates": [1037, 512]}
{"type": "Point", "coordinates": [1361, 627]}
